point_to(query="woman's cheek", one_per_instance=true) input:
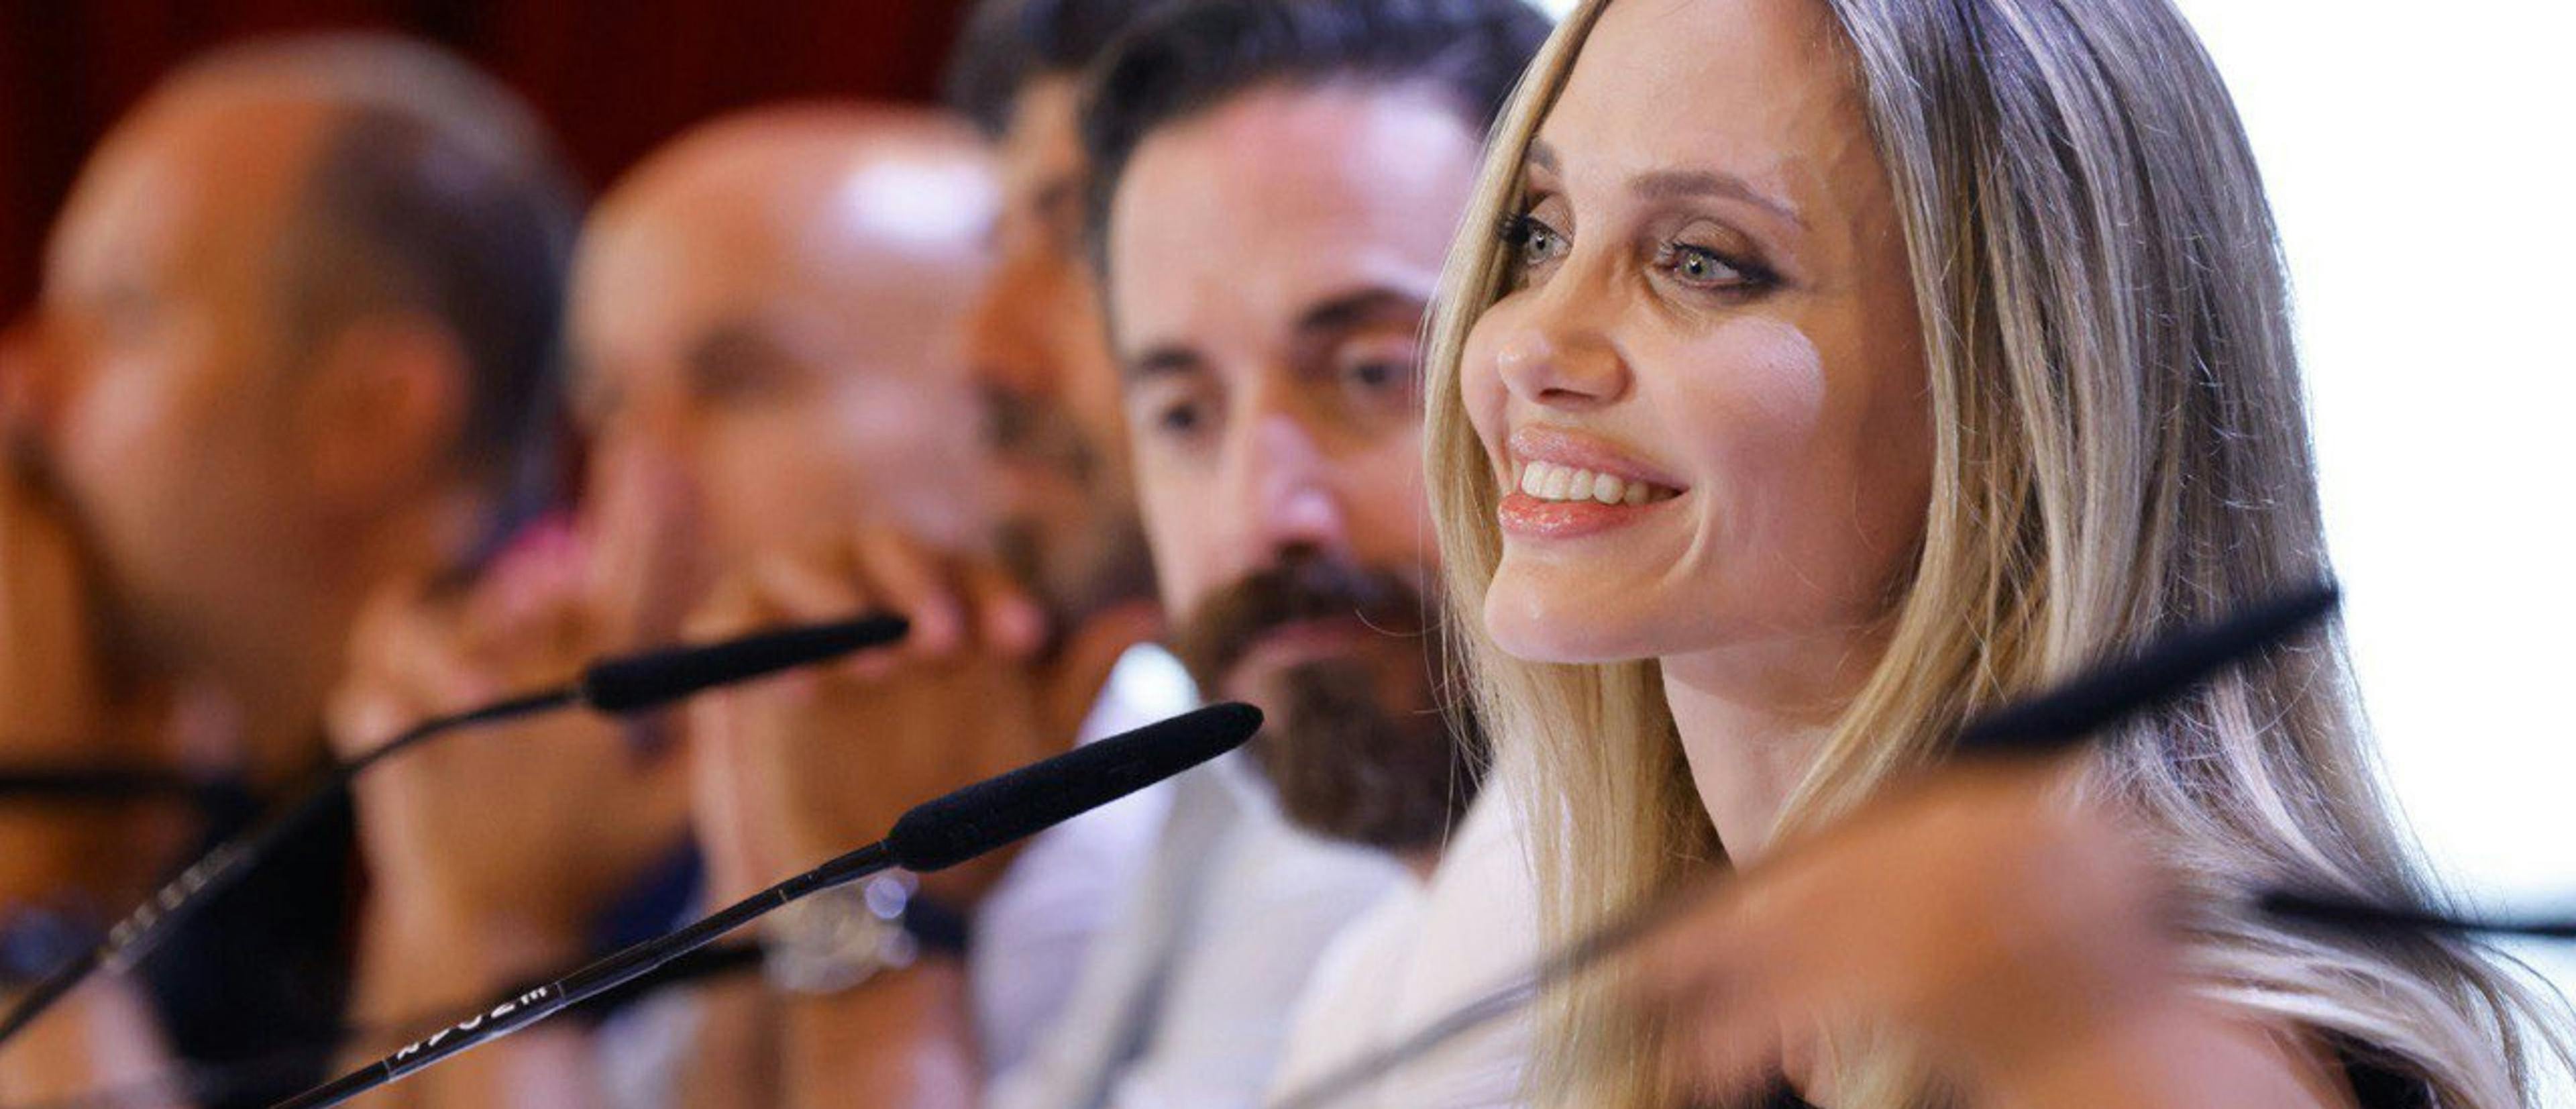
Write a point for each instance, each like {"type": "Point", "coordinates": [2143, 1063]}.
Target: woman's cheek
{"type": "Point", "coordinates": [1752, 385]}
{"type": "Point", "coordinates": [1826, 492]}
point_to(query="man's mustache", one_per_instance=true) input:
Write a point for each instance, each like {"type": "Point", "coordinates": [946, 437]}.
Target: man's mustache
{"type": "Point", "coordinates": [1302, 586]}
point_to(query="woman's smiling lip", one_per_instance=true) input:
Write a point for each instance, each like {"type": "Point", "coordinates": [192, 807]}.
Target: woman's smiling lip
{"type": "Point", "coordinates": [1577, 450]}
{"type": "Point", "coordinates": [1564, 484]}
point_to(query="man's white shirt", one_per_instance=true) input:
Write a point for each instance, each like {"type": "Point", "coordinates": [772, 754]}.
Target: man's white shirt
{"type": "Point", "coordinates": [1185, 1000]}
{"type": "Point", "coordinates": [1424, 950]}
{"type": "Point", "coordinates": [1035, 928]}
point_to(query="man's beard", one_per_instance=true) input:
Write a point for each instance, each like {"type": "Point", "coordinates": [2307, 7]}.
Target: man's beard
{"type": "Point", "coordinates": [1356, 754]}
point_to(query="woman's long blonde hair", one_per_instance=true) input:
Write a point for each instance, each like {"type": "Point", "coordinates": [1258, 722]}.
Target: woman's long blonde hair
{"type": "Point", "coordinates": [2121, 445]}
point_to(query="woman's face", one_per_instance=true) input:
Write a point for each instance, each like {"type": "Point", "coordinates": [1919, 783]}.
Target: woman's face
{"type": "Point", "coordinates": [1704, 390]}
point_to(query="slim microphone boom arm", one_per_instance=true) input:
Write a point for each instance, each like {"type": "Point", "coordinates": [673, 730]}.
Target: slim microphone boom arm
{"type": "Point", "coordinates": [590, 981]}
{"type": "Point", "coordinates": [932, 836]}
{"type": "Point", "coordinates": [622, 685]}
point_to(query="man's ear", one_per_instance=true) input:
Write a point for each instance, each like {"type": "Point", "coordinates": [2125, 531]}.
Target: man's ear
{"type": "Point", "coordinates": [34, 380]}
{"type": "Point", "coordinates": [383, 404]}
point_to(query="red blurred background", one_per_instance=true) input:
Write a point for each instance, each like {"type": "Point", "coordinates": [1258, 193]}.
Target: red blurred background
{"type": "Point", "coordinates": [614, 77]}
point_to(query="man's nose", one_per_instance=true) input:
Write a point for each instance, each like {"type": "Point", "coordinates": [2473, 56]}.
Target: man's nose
{"type": "Point", "coordinates": [1287, 490]}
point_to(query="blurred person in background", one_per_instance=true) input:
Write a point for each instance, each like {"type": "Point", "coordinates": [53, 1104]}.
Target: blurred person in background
{"type": "Point", "coordinates": [1185, 997]}
{"type": "Point", "coordinates": [296, 339]}
{"type": "Point", "coordinates": [1185, 1000]}
{"type": "Point", "coordinates": [1036, 343]}
{"type": "Point", "coordinates": [1275, 186]}
{"type": "Point", "coordinates": [765, 321]}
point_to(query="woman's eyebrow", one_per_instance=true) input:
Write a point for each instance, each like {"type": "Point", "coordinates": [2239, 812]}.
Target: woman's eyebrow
{"type": "Point", "coordinates": [1673, 183]}
{"type": "Point", "coordinates": [1542, 155]}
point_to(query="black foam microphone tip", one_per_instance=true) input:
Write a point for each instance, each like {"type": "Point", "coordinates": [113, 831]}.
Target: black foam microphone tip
{"type": "Point", "coordinates": [2162, 671]}
{"type": "Point", "coordinates": [942, 833]}
{"type": "Point", "coordinates": [651, 679]}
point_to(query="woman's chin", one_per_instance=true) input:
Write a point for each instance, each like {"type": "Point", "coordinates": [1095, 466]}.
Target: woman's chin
{"type": "Point", "coordinates": [1555, 625]}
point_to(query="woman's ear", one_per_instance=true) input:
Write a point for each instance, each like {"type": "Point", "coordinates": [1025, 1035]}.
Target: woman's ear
{"type": "Point", "coordinates": [382, 408]}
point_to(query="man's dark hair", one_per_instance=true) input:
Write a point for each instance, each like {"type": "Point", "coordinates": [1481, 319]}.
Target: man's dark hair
{"type": "Point", "coordinates": [1009, 43]}
{"type": "Point", "coordinates": [1192, 57]}
{"type": "Point", "coordinates": [435, 191]}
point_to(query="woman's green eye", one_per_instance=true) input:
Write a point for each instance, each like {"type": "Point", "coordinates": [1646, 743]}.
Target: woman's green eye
{"type": "Point", "coordinates": [1543, 246]}
{"type": "Point", "coordinates": [1707, 269]}
{"type": "Point", "coordinates": [1533, 242]}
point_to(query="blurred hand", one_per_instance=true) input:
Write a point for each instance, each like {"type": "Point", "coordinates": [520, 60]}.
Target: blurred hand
{"type": "Point", "coordinates": [1983, 915]}
{"type": "Point", "coordinates": [516, 835]}
{"type": "Point", "coordinates": [2021, 939]}
{"type": "Point", "coordinates": [794, 770]}
{"type": "Point", "coordinates": [61, 711]}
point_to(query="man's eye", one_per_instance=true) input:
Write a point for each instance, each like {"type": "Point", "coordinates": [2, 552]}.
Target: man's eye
{"type": "Point", "coordinates": [1060, 216]}
{"type": "Point", "coordinates": [738, 384]}
{"type": "Point", "coordinates": [1376, 374]}
{"type": "Point", "coordinates": [1179, 419]}
{"type": "Point", "coordinates": [1007, 419]}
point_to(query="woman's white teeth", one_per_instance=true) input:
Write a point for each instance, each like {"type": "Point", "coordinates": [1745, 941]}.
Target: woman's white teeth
{"type": "Point", "coordinates": [1601, 487]}
{"type": "Point", "coordinates": [1548, 481]}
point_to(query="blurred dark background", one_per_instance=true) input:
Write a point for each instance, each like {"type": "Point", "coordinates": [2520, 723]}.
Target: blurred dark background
{"type": "Point", "coordinates": [613, 77]}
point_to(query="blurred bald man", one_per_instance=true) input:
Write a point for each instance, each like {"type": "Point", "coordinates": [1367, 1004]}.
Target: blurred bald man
{"type": "Point", "coordinates": [766, 323]}
{"type": "Point", "coordinates": [768, 309]}
{"type": "Point", "coordinates": [296, 337]}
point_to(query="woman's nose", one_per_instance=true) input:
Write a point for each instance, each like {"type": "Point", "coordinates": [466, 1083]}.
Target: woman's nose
{"type": "Point", "coordinates": [1554, 349]}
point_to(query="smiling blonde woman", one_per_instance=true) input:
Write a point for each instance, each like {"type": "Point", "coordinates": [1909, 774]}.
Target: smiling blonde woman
{"type": "Point", "coordinates": [1812, 373]}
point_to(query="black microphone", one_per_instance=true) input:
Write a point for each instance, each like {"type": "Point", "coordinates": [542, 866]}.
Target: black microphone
{"type": "Point", "coordinates": [2350, 914]}
{"type": "Point", "coordinates": [619, 686]}
{"type": "Point", "coordinates": [942, 833]}
{"type": "Point", "coordinates": [2166, 668]}
{"type": "Point", "coordinates": [932, 836]}
{"type": "Point", "coordinates": [652, 679]}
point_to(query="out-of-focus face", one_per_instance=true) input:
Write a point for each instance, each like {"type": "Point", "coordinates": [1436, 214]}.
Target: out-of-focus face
{"type": "Point", "coordinates": [167, 419]}
{"type": "Point", "coordinates": [1706, 386]}
{"type": "Point", "coordinates": [1042, 364]}
{"type": "Point", "coordinates": [766, 352]}
{"type": "Point", "coordinates": [1270, 261]}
